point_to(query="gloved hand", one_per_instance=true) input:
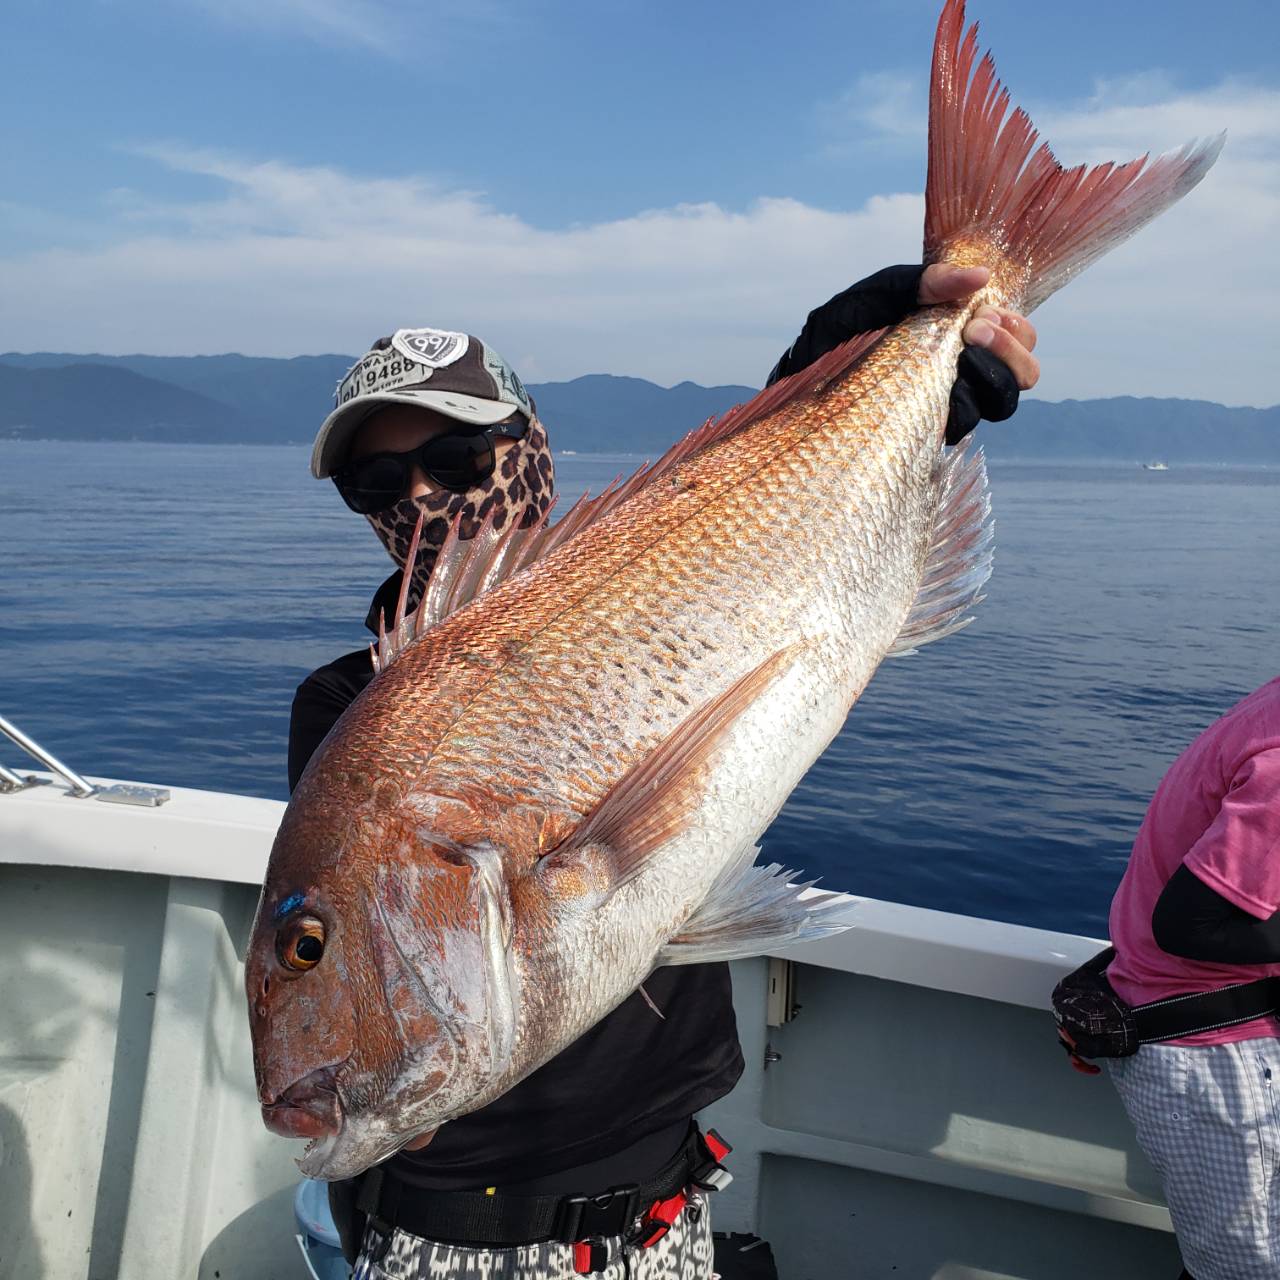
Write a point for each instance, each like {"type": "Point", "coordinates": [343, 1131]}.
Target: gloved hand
{"type": "Point", "coordinates": [994, 366]}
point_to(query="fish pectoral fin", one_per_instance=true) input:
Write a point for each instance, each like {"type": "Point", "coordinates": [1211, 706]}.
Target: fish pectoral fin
{"type": "Point", "coordinates": [751, 910]}
{"type": "Point", "coordinates": [959, 560]}
{"type": "Point", "coordinates": [653, 802]}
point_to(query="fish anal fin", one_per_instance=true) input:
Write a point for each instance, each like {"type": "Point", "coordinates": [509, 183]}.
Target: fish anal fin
{"type": "Point", "coordinates": [751, 910]}
{"type": "Point", "coordinates": [959, 560]}
{"type": "Point", "coordinates": [653, 802]}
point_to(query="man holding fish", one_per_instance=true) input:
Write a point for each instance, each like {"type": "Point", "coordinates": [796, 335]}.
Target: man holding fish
{"type": "Point", "coordinates": [435, 423]}
{"type": "Point", "coordinates": [496, 913]}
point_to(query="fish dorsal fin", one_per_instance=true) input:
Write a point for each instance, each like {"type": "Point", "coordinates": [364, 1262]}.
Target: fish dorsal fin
{"type": "Point", "coordinates": [464, 568]}
{"type": "Point", "coordinates": [652, 802]}
{"type": "Point", "coordinates": [959, 560]}
{"type": "Point", "coordinates": [810, 380]}
{"type": "Point", "coordinates": [468, 567]}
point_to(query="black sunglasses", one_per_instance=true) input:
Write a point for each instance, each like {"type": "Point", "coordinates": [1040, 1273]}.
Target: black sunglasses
{"type": "Point", "coordinates": [458, 460]}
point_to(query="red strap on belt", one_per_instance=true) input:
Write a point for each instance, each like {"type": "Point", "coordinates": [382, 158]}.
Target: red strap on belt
{"type": "Point", "coordinates": [714, 1143]}
{"type": "Point", "coordinates": [590, 1256]}
{"type": "Point", "coordinates": [660, 1218]}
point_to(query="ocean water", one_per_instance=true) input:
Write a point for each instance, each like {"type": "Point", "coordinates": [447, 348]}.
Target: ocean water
{"type": "Point", "coordinates": [159, 604]}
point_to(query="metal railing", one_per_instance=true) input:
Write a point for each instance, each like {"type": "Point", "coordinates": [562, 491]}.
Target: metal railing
{"type": "Point", "coordinates": [79, 788]}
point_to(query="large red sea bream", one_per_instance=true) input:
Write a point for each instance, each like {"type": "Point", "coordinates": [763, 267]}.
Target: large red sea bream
{"type": "Point", "coordinates": [557, 780]}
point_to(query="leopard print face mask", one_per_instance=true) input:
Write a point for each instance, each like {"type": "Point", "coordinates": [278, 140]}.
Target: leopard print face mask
{"type": "Point", "coordinates": [520, 489]}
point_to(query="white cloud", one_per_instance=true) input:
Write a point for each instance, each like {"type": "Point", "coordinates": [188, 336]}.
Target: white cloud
{"type": "Point", "coordinates": [1196, 288]}
{"type": "Point", "coordinates": [880, 109]}
{"type": "Point", "coordinates": [291, 260]}
{"type": "Point", "coordinates": [287, 259]}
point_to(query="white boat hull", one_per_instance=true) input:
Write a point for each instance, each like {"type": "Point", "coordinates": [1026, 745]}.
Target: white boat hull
{"type": "Point", "coordinates": [917, 1116]}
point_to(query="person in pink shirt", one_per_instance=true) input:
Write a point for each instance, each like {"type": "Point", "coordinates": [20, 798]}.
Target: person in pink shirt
{"type": "Point", "coordinates": [1198, 910]}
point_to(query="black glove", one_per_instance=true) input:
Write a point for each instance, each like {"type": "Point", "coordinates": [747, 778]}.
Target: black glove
{"type": "Point", "coordinates": [984, 388]}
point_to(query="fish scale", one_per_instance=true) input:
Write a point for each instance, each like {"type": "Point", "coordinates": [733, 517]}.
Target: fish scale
{"type": "Point", "coordinates": [556, 779]}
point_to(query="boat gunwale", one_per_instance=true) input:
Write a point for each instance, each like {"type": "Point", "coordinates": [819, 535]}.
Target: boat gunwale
{"type": "Point", "coordinates": [224, 836]}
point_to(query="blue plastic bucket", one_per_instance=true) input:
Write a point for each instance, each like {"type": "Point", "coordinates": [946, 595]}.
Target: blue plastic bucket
{"type": "Point", "coordinates": [317, 1236]}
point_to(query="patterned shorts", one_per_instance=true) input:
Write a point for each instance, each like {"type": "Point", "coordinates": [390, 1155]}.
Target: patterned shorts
{"type": "Point", "coordinates": [1209, 1121]}
{"type": "Point", "coordinates": [684, 1253]}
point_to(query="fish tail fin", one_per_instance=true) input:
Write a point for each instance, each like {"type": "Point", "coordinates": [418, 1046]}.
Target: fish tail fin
{"type": "Point", "coordinates": [997, 197]}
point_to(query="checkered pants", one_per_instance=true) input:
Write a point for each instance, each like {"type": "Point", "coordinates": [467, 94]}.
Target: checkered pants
{"type": "Point", "coordinates": [684, 1253]}
{"type": "Point", "coordinates": [1209, 1121]}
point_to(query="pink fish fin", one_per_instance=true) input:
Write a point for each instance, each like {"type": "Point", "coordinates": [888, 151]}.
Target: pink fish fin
{"type": "Point", "coordinates": [584, 513]}
{"type": "Point", "coordinates": [473, 565]}
{"type": "Point", "coordinates": [751, 910]}
{"type": "Point", "coordinates": [959, 560]}
{"type": "Point", "coordinates": [808, 383]}
{"type": "Point", "coordinates": [380, 651]}
{"type": "Point", "coordinates": [406, 577]}
{"type": "Point", "coordinates": [464, 568]}
{"type": "Point", "coordinates": [467, 568]}
{"type": "Point", "coordinates": [653, 802]}
{"type": "Point", "coordinates": [501, 562]}
{"type": "Point", "coordinates": [389, 644]}
{"type": "Point", "coordinates": [996, 195]}
{"type": "Point", "coordinates": [440, 583]}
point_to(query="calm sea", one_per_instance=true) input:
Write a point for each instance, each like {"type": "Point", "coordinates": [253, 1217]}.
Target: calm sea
{"type": "Point", "coordinates": [158, 605]}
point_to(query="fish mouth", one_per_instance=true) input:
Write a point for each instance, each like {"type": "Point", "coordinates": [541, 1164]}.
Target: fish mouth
{"type": "Point", "coordinates": [364, 1140]}
{"type": "Point", "coordinates": [308, 1108]}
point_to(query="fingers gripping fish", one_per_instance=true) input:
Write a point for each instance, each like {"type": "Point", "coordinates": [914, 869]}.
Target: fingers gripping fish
{"type": "Point", "coordinates": [558, 777]}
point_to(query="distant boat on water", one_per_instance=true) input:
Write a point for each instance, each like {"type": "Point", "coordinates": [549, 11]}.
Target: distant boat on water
{"type": "Point", "coordinates": [1155, 466]}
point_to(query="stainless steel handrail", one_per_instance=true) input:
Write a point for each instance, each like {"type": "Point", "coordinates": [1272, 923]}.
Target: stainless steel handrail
{"type": "Point", "coordinates": [51, 762]}
{"type": "Point", "coordinates": [11, 780]}
{"type": "Point", "coordinates": [80, 788]}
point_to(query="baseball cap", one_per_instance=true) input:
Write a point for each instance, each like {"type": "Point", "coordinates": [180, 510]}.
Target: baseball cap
{"type": "Point", "coordinates": [452, 373]}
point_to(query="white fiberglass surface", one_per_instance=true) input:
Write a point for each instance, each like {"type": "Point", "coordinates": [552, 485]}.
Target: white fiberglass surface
{"type": "Point", "coordinates": [920, 1070]}
{"type": "Point", "coordinates": [130, 1141]}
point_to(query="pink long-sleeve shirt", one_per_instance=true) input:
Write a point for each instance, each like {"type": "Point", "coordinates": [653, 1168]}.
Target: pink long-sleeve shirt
{"type": "Point", "coordinates": [1218, 810]}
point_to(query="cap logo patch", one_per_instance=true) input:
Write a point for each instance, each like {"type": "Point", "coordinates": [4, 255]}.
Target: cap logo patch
{"type": "Point", "coordinates": [380, 371]}
{"type": "Point", "coordinates": [432, 347]}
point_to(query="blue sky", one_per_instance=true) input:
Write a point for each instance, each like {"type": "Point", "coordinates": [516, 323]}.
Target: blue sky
{"type": "Point", "coordinates": [658, 189]}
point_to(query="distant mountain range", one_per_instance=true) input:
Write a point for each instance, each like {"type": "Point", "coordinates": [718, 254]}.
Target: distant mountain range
{"type": "Point", "coordinates": [251, 399]}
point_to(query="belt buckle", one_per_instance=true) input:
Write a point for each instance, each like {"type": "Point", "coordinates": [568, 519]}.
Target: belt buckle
{"type": "Point", "coordinates": [610, 1213]}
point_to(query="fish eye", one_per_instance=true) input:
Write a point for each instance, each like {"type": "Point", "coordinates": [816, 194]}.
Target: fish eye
{"type": "Point", "coordinates": [301, 944]}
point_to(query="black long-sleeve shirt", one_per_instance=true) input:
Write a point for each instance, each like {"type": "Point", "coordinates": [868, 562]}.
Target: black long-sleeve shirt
{"type": "Point", "coordinates": [633, 1074]}
{"type": "Point", "coordinates": [1193, 921]}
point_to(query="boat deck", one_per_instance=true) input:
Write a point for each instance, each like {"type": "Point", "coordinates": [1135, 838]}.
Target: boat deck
{"type": "Point", "coordinates": [913, 1118]}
